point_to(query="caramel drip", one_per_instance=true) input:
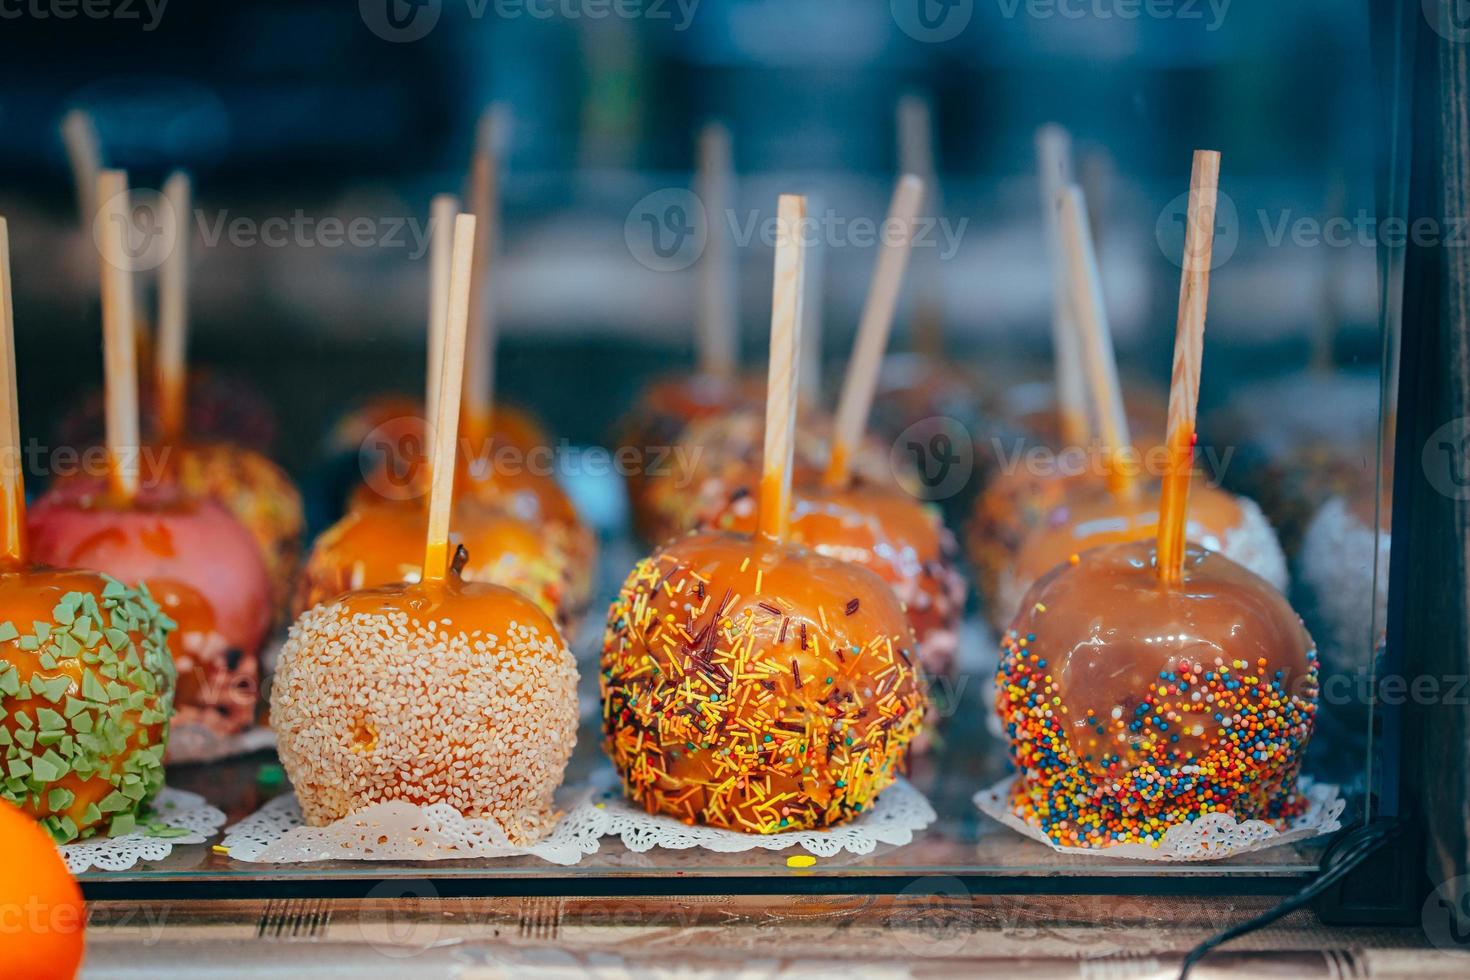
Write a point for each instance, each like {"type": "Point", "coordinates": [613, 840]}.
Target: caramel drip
{"type": "Point", "coordinates": [1174, 502]}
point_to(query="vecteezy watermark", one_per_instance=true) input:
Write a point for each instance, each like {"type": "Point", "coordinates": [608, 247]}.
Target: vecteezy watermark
{"type": "Point", "coordinates": [1020, 455]}
{"type": "Point", "coordinates": [1362, 229]}
{"type": "Point", "coordinates": [1446, 914]}
{"type": "Point", "coordinates": [932, 21]}
{"type": "Point", "coordinates": [37, 460]}
{"type": "Point", "coordinates": [1169, 231]}
{"type": "Point", "coordinates": [1446, 459]}
{"type": "Point", "coordinates": [1450, 19]}
{"type": "Point", "coordinates": [394, 459]}
{"type": "Point", "coordinates": [933, 458]}
{"type": "Point", "coordinates": [668, 230]}
{"type": "Point", "coordinates": [932, 917]}
{"type": "Point", "coordinates": [1211, 13]}
{"type": "Point", "coordinates": [405, 21]}
{"type": "Point", "coordinates": [146, 13]}
{"type": "Point", "coordinates": [151, 232]}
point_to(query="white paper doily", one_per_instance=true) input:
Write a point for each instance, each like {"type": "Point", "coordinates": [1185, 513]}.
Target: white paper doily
{"type": "Point", "coordinates": [399, 831]}
{"type": "Point", "coordinates": [1211, 837]}
{"type": "Point", "coordinates": [173, 817]}
{"type": "Point", "coordinates": [901, 811]}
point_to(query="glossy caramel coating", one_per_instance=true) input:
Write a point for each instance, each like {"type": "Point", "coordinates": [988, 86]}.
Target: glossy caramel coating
{"type": "Point", "coordinates": [439, 692]}
{"type": "Point", "coordinates": [757, 687]}
{"type": "Point", "coordinates": [379, 544]}
{"type": "Point", "coordinates": [891, 534]}
{"type": "Point", "coordinates": [86, 693]}
{"type": "Point", "coordinates": [1133, 706]}
{"type": "Point", "coordinates": [199, 563]}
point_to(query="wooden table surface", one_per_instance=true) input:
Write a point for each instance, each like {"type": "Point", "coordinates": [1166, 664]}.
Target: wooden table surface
{"type": "Point", "coordinates": [929, 935]}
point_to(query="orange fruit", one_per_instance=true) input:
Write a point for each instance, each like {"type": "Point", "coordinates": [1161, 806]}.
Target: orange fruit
{"type": "Point", "coordinates": [42, 918]}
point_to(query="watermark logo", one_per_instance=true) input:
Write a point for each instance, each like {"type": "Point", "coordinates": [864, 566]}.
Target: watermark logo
{"type": "Point", "coordinates": [392, 922]}
{"type": "Point", "coordinates": [1446, 459]}
{"type": "Point", "coordinates": [1450, 19]}
{"type": "Point", "coordinates": [149, 231]}
{"type": "Point", "coordinates": [400, 21]}
{"type": "Point", "coordinates": [1446, 914]}
{"type": "Point", "coordinates": [666, 231]}
{"type": "Point", "coordinates": [1169, 231]}
{"type": "Point", "coordinates": [148, 13]}
{"type": "Point", "coordinates": [932, 917]}
{"type": "Point", "coordinates": [939, 451]}
{"type": "Point", "coordinates": [932, 21]}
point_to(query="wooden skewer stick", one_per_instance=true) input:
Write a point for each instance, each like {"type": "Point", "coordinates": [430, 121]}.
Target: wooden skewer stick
{"type": "Point", "coordinates": [718, 336]}
{"type": "Point", "coordinates": [1189, 344]}
{"type": "Point", "coordinates": [1086, 303]}
{"type": "Point", "coordinates": [79, 134]}
{"type": "Point", "coordinates": [446, 411]}
{"type": "Point", "coordinates": [119, 341]}
{"type": "Point", "coordinates": [916, 156]}
{"type": "Point", "coordinates": [774, 517]}
{"type": "Point", "coordinates": [442, 210]}
{"type": "Point", "coordinates": [809, 384]}
{"type": "Point", "coordinates": [479, 382]}
{"type": "Point", "coordinates": [861, 381]}
{"type": "Point", "coordinates": [1054, 164]}
{"type": "Point", "coordinates": [170, 368]}
{"type": "Point", "coordinates": [13, 490]}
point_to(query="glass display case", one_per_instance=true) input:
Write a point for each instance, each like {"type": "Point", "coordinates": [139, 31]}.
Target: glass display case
{"type": "Point", "coordinates": [625, 231]}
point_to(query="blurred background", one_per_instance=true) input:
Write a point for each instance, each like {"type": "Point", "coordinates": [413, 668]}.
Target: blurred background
{"type": "Point", "coordinates": [302, 111]}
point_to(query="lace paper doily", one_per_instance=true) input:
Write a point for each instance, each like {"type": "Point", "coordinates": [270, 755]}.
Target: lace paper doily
{"type": "Point", "coordinates": [1211, 837]}
{"type": "Point", "coordinates": [174, 817]}
{"type": "Point", "coordinates": [198, 743]}
{"type": "Point", "coordinates": [399, 831]}
{"type": "Point", "coordinates": [901, 811]}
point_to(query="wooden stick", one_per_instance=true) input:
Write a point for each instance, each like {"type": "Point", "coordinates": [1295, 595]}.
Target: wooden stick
{"type": "Point", "coordinates": [873, 329]}
{"type": "Point", "coordinates": [171, 373]}
{"type": "Point", "coordinates": [1189, 343]}
{"type": "Point", "coordinates": [446, 411]}
{"type": "Point", "coordinates": [479, 382]}
{"type": "Point", "coordinates": [809, 383]}
{"type": "Point", "coordinates": [1054, 165]}
{"type": "Point", "coordinates": [1086, 303]}
{"type": "Point", "coordinates": [442, 210]}
{"type": "Point", "coordinates": [79, 134]}
{"type": "Point", "coordinates": [13, 487]}
{"type": "Point", "coordinates": [774, 517]}
{"type": "Point", "coordinates": [718, 336]}
{"type": "Point", "coordinates": [916, 156]}
{"type": "Point", "coordinates": [119, 341]}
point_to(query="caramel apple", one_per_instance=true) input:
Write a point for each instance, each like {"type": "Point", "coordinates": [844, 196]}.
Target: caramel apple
{"type": "Point", "coordinates": [440, 692]}
{"type": "Point", "coordinates": [1133, 706]}
{"type": "Point", "coordinates": [86, 681]}
{"type": "Point", "coordinates": [196, 561]}
{"type": "Point", "coordinates": [747, 683]}
{"type": "Point", "coordinates": [1148, 683]}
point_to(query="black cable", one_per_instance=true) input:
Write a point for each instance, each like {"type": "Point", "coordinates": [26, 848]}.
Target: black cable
{"type": "Point", "coordinates": [1337, 864]}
